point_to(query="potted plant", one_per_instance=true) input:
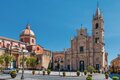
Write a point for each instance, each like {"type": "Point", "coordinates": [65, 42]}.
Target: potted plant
{"type": "Point", "coordinates": [78, 73]}
{"type": "Point", "coordinates": [115, 78]}
{"type": "Point", "coordinates": [43, 72]}
{"type": "Point", "coordinates": [13, 74]}
{"type": "Point", "coordinates": [33, 72]}
{"type": "Point", "coordinates": [88, 78]}
{"type": "Point", "coordinates": [90, 69]}
{"type": "Point", "coordinates": [48, 71]}
{"type": "Point", "coordinates": [64, 74]}
{"type": "Point", "coordinates": [94, 71]}
{"type": "Point", "coordinates": [91, 72]}
{"type": "Point", "coordinates": [17, 70]}
{"type": "Point", "coordinates": [106, 75]}
{"type": "Point", "coordinates": [85, 72]}
{"type": "Point", "coordinates": [90, 75]}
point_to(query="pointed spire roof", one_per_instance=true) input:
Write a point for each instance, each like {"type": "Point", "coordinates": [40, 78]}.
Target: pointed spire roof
{"type": "Point", "coordinates": [98, 13]}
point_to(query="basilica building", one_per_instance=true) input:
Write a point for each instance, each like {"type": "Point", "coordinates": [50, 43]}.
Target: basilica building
{"type": "Point", "coordinates": [28, 42]}
{"type": "Point", "coordinates": [85, 50]}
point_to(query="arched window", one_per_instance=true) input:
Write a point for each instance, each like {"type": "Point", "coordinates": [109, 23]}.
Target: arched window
{"type": "Point", "coordinates": [97, 40]}
{"type": "Point", "coordinates": [81, 49]}
{"type": "Point", "coordinates": [0, 43]}
{"type": "Point", "coordinates": [96, 26]}
{"type": "Point", "coordinates": [32, 40]}
{"type": "Point", "coordinates": [21, 40]}
{"type": "Point", "coordinates": [38, 48]}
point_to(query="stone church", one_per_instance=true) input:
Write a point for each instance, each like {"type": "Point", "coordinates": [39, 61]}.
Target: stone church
{"type": "Point", "coordinates": [85, 50]}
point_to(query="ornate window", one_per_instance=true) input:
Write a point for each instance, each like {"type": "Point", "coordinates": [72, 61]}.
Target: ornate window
{"type": "Point", "coordinates": [81, 49]}
{"type": "Point", "coordinates": [21, 40]}
{"type": "Point", "coordinates": [38, 48]}
{"type": "Point", "coordinates": [96, 40]}
{"type": "Point", "coordinates": [8, 45]}
{"type": "Point", "coordinates": [32, 40]}
{"type": "Point", "coordinates": [96, 26]}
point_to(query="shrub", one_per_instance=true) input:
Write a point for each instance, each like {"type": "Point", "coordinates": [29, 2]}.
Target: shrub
{"type": "Point", "coordinates": [90, 69]}
{"type": "Point", "coordinates": [78, 73]}
{"type": "Point", "coordinates": [115, 78]}
{"type": "Point", "coordinates": [13, 74]}
{"type": "Point", "coordinates": [1, 68]}
{"type": "Point", "coordinates": [85, 72]}
{"type": "Point", "coordinates": [33, 72]}
{"type": "Point", "coordinates": [17, 70]}
{"type": "Point", "coordinates": [43, 72]}
{"type": "Point", "coordinates": [90, 75]}
{"type": "Point", "coordinates": [106, 75]}
{"type": "Point", "coordinates": [95, 71]}
{"type": "Point", "coordinates": [88, 78]}
{"type": "Point", "coordinates": [64, 74]}
{"type": "Point", "coordinates": [48, 71]}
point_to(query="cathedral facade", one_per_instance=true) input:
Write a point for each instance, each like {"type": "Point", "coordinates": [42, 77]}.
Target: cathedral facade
{"type": "Point", "coordinates": [86, 50]}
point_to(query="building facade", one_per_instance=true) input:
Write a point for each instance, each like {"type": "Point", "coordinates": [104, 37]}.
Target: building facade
{"type": "Point", "coordinates": [87, 50]}
{"type": "Point", "coordinates": [115, 65]}
{"type": "Point", "coordinates": [28, 42]}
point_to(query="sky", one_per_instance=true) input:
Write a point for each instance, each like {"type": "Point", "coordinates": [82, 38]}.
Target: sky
{"type": "Point", "coordinates": [55, 21]}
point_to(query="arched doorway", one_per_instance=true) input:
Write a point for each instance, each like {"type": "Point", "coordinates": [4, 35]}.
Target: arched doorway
{"type": "Point", "coordinates": [81, 66]}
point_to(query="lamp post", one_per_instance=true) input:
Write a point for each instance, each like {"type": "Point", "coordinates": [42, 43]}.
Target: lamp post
{"type": "Point", "coordinates": [23, 51]}
{"type": "Point", "coordinates": [22, 77]}
{"type": "Point", "coordinates": [59, 66]}
{"type": "Point", "coordinates": [39, 66]}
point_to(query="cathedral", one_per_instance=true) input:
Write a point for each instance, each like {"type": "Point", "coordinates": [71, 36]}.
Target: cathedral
{"type": "Point", "coordinates": [85, 50]}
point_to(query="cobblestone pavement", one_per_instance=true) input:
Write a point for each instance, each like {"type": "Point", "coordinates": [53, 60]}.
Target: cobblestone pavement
{"type": "Point", "coordinates": [53, 76]}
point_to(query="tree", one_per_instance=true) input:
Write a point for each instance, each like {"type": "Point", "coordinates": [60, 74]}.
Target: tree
{"type": "Point", "coordinates": [90, 69]}
{"type": "Point", "coordinates": [27, 62]}
{"type": "Point", "coordinates": [1, 60]}
{"type": "Point", "coordinates": [7, 59]}
{"type": "Point", "coordinates": [33, 62]}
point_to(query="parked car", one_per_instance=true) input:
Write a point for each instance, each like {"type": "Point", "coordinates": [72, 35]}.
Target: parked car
{"type": "Point", "coordinates": [8, 70]}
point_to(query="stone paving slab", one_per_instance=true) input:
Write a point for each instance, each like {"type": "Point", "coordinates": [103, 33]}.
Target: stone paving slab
{"type": "Point", "coordinates": [29, 76]}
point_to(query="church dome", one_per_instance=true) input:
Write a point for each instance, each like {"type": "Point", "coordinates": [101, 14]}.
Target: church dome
{"type": "Point", "coordinates": [27, 31]}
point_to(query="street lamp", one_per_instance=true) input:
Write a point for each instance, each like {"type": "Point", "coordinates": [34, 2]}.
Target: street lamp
{"type": "Point", "coordinates": [59, 66]}
{"type": "Point", "coordinates": [23, 51]}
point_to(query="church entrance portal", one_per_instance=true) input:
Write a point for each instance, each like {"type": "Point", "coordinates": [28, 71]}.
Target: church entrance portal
{"type": "Point", "coordinates": [81, 66]}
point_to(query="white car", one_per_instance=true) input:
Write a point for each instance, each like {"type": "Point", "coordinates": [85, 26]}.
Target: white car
{"type": "Point", "coordinates": [8, 70]}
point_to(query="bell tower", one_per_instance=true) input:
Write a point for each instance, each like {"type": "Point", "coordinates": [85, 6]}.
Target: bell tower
{"type": "Point", "coordinates": [98, 40]}
{"type": "Point", "coordinates": [98, 31]}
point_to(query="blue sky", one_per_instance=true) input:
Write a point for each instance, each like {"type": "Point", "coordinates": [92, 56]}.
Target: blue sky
{"type": "Point", "coordinates": [55, 21]}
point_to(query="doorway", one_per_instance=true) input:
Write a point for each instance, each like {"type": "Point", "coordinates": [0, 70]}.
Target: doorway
{"type": "Point", "coordinates": [81, 66]}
